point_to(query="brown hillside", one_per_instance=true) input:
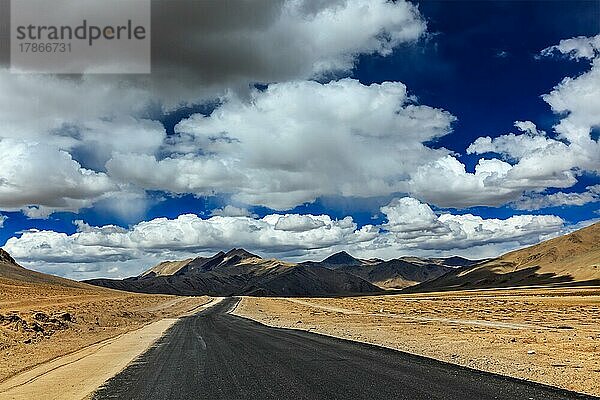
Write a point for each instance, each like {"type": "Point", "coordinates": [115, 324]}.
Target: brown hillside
{"type": "Point", "coordinates": [576, 255]}
{"type": "Point", "coordinates": [167, 268]}
{"type": "Point", "coordinates": [43, 316]}
{"type": "Point", "coordinates": [12, 273]}
{"type": "Point", "coordinates": [573, 259]}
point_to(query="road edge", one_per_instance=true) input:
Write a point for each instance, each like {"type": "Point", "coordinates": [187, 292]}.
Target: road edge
{"type": "Point", "coordinates": [44, 371]}
{"type": "Point", "coordinates": [583, 395]}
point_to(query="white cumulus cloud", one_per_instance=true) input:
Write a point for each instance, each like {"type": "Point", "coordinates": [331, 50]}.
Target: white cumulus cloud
{"type": "Point", "coordinates": [36, 177]}
{"type": "Point", "coordinates": [537, 201]}
{"type": "Point", "coordinates": [530, 161]}
{"type": "Point", "coordinates": [577, 47]}
{"type": "Point", "coordinates": [411, 227]}
{"type": "Point", "coordinates": [297, 141]}
{"type": "Point", "coordinates": [94, 118]}
{"type": "Point", "coordinates": [232, 211]}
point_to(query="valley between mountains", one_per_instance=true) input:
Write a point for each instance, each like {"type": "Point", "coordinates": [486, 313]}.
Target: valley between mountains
{"type": "Point", "coordinates": [563, 261]}
{"type": "Point", "coordinates": [530, 314]}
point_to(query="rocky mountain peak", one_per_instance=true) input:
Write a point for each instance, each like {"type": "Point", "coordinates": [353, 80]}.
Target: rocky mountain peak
{"type": "Point", "coordinates": [341, 258]}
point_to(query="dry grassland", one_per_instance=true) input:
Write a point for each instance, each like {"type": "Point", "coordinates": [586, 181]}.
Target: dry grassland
{"type": "Point", "coordinates": [550, 336]}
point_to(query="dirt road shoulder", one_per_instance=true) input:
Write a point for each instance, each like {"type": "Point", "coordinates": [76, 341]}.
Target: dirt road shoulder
{"type": "Point", "coordinates": [77, 375]}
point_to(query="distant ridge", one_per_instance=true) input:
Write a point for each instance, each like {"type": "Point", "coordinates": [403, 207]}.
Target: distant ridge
{"type": "Point", "coordinates": [341, 258]}
{"type": "Point", "coordinates": [456, 261]}
{"type": "Point", "coordinates": [239, 272]}
{"type": "Point", "coordinates": [12, 273]}
{"type": "Point", "coordinates": [570, 260]}
{"type": "Point", "coordinates": [6, 258]}
{"type": "Point", "coordinates": [392, 274]}
{"type": "Point", "coordinates": [204, 264]}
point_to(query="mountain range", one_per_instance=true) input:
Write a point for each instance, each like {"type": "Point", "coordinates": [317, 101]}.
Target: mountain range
{"type": "Point", "coordinates": [239, 272]}
{"type": "Point", "coordinates": [573, 259]}
{"type": "Point", "coordinates": [570, 260]}
{"type": "Point", "coordinates": [393, 274]}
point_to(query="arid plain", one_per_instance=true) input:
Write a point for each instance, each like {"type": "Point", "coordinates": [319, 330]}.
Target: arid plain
{"type": "Point", "coordinates": [40, 321]}
{"type": "Point", "coordinates": [547, 330]}
{"type": "Point", "coordinates": [551, 336]}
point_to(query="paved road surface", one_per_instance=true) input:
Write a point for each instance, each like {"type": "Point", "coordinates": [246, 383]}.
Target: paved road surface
{"type": "Point", "coordinates": [215, 355]}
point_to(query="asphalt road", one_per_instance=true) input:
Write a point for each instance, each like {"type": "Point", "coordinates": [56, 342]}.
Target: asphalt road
{"type": "Point", "coordinates": [215, 355]}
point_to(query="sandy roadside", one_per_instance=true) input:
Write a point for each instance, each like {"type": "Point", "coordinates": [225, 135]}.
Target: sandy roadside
{"type": "Point", "coordinates": [547, 336]}
{"type": "Point", "coordinates": [79, 374]}
{"type": "Point", "coordinates": [40, 322]}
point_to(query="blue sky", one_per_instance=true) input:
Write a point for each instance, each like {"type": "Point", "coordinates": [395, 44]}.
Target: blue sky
{"type": "Point", "coordinates": [476, 69]}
